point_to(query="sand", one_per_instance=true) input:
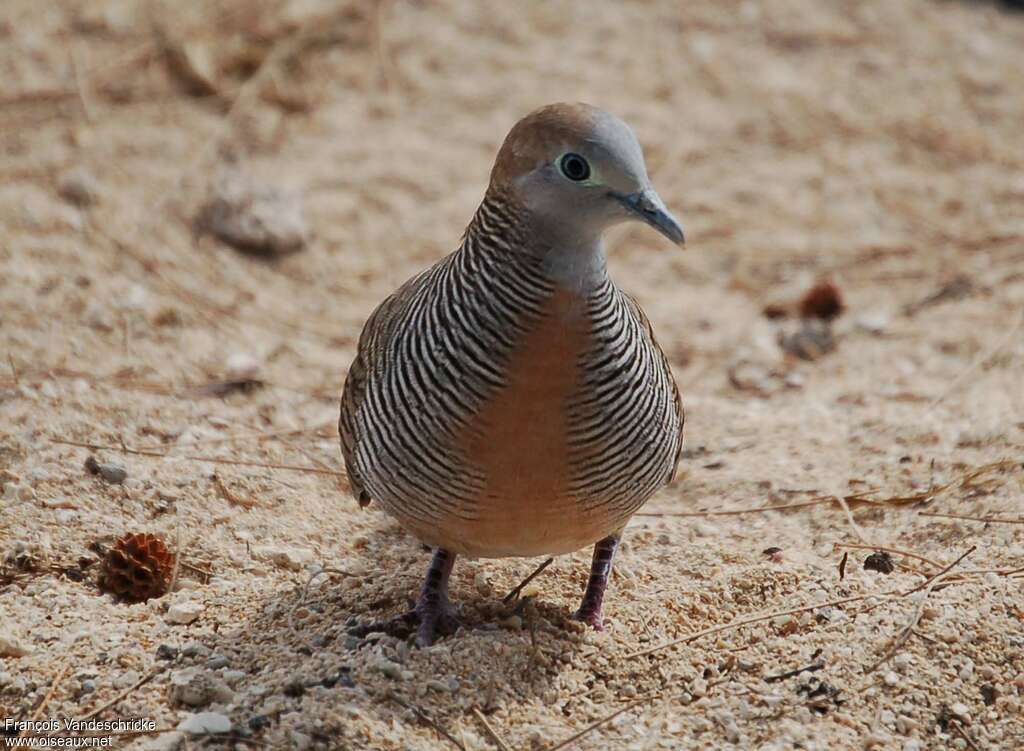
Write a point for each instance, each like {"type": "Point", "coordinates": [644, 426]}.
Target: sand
{"type": "Point", "coordinates": [876, 144]}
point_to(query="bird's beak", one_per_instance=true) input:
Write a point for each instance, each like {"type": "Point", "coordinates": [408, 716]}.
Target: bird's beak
{"type": "Point", "coordinates": [648, 206]}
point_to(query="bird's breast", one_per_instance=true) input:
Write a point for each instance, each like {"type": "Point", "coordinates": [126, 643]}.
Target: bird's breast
{"type": "Point", "coordinates": [519, 439]}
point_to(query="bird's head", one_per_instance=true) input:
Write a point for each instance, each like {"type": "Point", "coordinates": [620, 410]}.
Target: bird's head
{"type": "Point", "coordinates": [578, 170]}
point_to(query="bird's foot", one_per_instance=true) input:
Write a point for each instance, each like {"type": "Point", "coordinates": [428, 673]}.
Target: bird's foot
{"type": "Point", "coordinates": [428, 623]}
{"type": "Point", "coordinates": [590, 616]}
{"type": "Point", "coordinates": [433, 613]}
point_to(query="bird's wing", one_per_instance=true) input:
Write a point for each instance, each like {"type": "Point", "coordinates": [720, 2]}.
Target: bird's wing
{"type": "Point", "coordinates": [377, 332]}
{"type": "Point", "coordinates": [677, 401]}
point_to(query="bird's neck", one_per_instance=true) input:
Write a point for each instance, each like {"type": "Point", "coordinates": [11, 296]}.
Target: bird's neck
{"type": "Point", "coordinates": [503, 228]}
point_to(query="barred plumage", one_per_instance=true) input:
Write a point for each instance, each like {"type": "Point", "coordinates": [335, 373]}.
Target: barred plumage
{"type": "Point", "coordinates": [511, 400]}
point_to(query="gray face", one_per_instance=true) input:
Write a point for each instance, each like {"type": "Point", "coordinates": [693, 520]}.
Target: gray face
{"type": "Point", "coordinates": [595, 183]}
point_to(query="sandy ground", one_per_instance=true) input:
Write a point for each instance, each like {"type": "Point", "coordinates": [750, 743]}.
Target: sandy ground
{"type": "Point", "coordinates": [877, 144]}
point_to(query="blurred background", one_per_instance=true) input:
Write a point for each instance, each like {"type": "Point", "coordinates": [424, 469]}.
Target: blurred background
{"type": "Point", "coordinates": [201, 202]}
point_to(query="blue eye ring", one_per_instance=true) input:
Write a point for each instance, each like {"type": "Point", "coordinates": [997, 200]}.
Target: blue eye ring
{"type": "Point", "coordinates": [574, 167]}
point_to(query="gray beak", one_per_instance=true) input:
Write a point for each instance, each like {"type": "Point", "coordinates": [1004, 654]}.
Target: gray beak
{"type": "Point", "coordinates": [648, 206]}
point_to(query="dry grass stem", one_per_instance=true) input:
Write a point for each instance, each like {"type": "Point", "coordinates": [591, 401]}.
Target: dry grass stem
{"type": "Point", "coordinates": [747, 621]}
{"type": "Point", "coordinates": [425, 718]}
{"type": "Point", "coordinates": [519, 587]}
{"type": "Point", "coordinates": [965, 517]}
{"type": "Point", "coordinates": [65, 667]}
{"type": "Point", "coordinates": [1010, 336]}
{"type": "Point", "coordinates": [907, 630]}
{"type": "Point", "coordinates": [211, 459]}
{"type": "Point", "coordinates": [896, 551]}
{"type": "Point", "coordinates": [135, 686]}
{"type": "Point", "coordinates": [596, 724]}
{"type": "Point", "coordinates": [498, 741]}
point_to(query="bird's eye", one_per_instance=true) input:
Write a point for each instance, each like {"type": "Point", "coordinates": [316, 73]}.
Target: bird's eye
{"type": "Point", "coordinates": [574, 167]}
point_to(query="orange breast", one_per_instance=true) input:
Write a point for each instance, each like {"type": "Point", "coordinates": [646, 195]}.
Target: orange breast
{"type": "Point", "coordinates": [519, 440]}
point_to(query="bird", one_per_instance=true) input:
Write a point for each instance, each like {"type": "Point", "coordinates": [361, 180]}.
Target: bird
{"type": "Point", "coordinates": [511, 400]}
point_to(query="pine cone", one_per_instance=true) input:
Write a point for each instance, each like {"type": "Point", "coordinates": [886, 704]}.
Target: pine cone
{"type": "Point", "coordinates": [137, 567]}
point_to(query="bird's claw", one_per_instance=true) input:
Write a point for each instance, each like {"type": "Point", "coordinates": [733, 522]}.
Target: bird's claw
{"type": "Point", "coordinates": [426, 623]}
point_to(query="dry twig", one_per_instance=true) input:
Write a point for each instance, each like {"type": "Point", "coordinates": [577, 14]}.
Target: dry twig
{"type": "Point", "coordinates": [986, 519]}
{"type": "Point", "coordinates": [424, 717]}
{"type": "Point", "coordinates": [211, 459]}
{"type": "Point", "coordinates": [498, 741]}
{"type": "Point", "coordinates": [596, 724]}
{"type": "Point", "coordinates": [746, 622]}
{"type": "Point", "coordinates": [141, 682]}
{"type": "Point", "coordinates": [53, 689]}
{"type": "Point", "coordinates": [980, 361]}
{"type": "Point", "coordinates": [904, 634]}
{"type": "Point", "coordinates": [896, 551]}
{"type": "Point", "coordinates": [519, 588]}
{"type": "Point", "coordinates": [225, 492]}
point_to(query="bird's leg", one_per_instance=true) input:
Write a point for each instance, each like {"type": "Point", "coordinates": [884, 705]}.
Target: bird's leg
{"type": "Point", "coordinates": [432, 614]}
{"type": "Point", "coordinates": [600, 568]}
{"type": "Point", "coordinates": [433, 610]}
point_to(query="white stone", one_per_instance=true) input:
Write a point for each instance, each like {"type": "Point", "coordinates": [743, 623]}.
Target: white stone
{"type": "Point", "coordinates": [205, 722]}
{"type": "Point", "coordinates": [184, 612]}
{"type": "Point", "coordinates": [241, 365]}
{"type": "Point", "coordinates": [126, 679]}
{"type": "Point", "coordinates": [10, 646]}
{"type": "Point", "coordinates": [290, 558]}
{"type": "Point", "coordinates": [482, 585]}
{"type": "Point", "coordinates": [962, 711]}
{"type": "Point", "coordinates": [164, 742]}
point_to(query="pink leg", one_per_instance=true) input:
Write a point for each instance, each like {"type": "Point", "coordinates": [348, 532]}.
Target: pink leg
{"type": "Point", "coordinates": [600, 568]}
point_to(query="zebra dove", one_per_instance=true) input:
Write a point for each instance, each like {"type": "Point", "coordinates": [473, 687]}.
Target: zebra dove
{"type": "Point", "coordinates": [511, 400]}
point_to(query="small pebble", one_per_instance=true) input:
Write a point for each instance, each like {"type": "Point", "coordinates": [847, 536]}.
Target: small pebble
{"type": "Point", "coordinates": [258, 722]}
{"type": "Point", "coordinates": [482, 585]}
{"type": "Point", "coordinates": [876, 740]}
{"type": "Point", "coordinates": [705, 529]}
{"type": "Point", "coordinates": [79, 187]}
{"type": "Point", "coordinates": [10, 646]}
{"type": "Point", "coordinates": [233, 676]}
{"type": "Point", "coordinates": [126, 679]}
{"type": "Point", "coordinates": [389, 668]}
{"type": "Point", "coordinates": [892, 678]}
{"type": "Point", "coordinates": [513, 623]}
{"type": "Point", "coordinates": [184, 613]}
{"type": "Point", "coordinates": [204, 723]}
{"type": "Point", "coordinates": [293, 559]}
{"type": "Point", "coordinates": [260, 219]}
{"type": "Point", "coordinates": [166, 652]}
{"type": "Point", "coordinates": [962, 711]}
{"type": "Point", "coordinates": [112, 473]}
{"type": "Point", "coordinates": [195, 649]}
{"type": "Point", "coordinates": [88, 686]}
{"type": "Point", "coordinates": [216, 662]}
{"type": "Point", "coordinates": [195, 688]}
{"type": "Point", "coordinates": [906, 725]}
